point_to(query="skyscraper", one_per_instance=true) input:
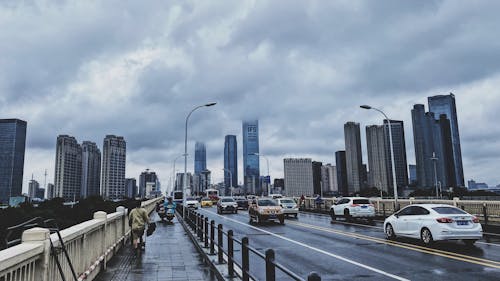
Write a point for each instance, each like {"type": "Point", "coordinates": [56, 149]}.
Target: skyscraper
{"type": "Point", "coordinates": [230, 162]}
{"type": "Point", "coordinates": [413, 174]}
{"type": "Point", "coordinates": [91, 170]}
{"type": "Point", "coordinates": [445, 104]}
{"type": "Point", "coordinates": [131, 187]}
{"type": "Point", "coordinates": [341, 172]}
{"type": "Point", "coordinates": [399, 146]}
{"type": "Point", "coordinates": [33, 187]}
{"type": "Point", "coordinates": [144, 178]}
{"type": "Point", "coordinates": [50, 191]}
{"type": "Point", "coordinates": [377, 160]}
{"type": "Point", "coordinates": [250, 160]}
{"type": "Point", "coordinates": [113, 167]}
{"type": "Point", "coordinates": [298, 176]}
{"type": "Point", "coordinates": [329, 179]}
{"type": "Point", "coordinates": [316, 168]}
{"type": "Point", "coordinates": [68, 168]}
{"type": "Point", "coordinates": [354, 161]}
{"type": "Point", "coordinates": [12, 147]}
{"type": "Point", "coordinates": [200, 157]}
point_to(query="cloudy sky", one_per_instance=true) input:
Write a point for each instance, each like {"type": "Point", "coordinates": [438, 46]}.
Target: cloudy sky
{"type": "Point", "coordinates": [136, 68]}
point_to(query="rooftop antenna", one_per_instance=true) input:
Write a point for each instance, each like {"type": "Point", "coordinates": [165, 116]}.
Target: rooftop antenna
{"type": "Point", "coordinates": [45, 180]}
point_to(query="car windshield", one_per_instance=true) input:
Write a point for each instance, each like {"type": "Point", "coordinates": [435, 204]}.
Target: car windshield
{"type": "Point", "coordinates": [267, 202]}
{"type": "Point", "coordinates": [288, 201]}
{"type": "Point", "coordinates": [205, 199]}
{"type": "Point", "coordinates": [361, 201]}
{"type": "Point", "coordinates": [227, 200]}
{"type": "Point", "coordinates": [449, 211]}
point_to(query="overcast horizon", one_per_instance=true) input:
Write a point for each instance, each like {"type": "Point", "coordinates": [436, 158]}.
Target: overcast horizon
{"type": "Point", "coordinates": [88, 69]}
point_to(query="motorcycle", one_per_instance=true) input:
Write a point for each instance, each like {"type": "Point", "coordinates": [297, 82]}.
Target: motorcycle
{"type": "Point", "coordinates": [162, 213]}
{"type": "Point", "coordinates": [170, 212]}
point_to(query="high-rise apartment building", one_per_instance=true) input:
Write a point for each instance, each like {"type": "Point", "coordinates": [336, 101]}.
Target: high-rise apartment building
{"type": "Point", "coordinates": [341, 172]}
{"type": "Point", "coordinates": [113, 167]}
{"type": "Point", "coordinates": [12, 147]}
{"type": "Point", "coordinates": [377, 159]}
{"type": "Point", "coordinates": [251, 168]}
{"type": "Point", "coordinates": [399, 146]}
{"type": "Point", "coordinates": [329, 179]}
{"type": "Point", "coordinates": [50, 191]}
{"type": "Point", "coordinates": [316, 167]}
{"type": "Point", "coordinates": [68, 168]}
{"type": "Point", "coordinates": [33, 187]}
{"type": "Point", "coordinates": [354, 160]}
{"type": "Point", "coordinates": [230, 163]}
{"type": "Point", "coordinates": [131, 187]}
{"type": "Point", "coordinates": [445, 104]}
{"type": "Point", "coordinates": [298, 176]}
{"type": "Point", "coordinates": [144, 178]}
{"type": "Point", "coordinates": [91, 170]}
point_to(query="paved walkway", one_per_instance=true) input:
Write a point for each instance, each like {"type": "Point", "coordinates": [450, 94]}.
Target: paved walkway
{"type": "Point", "coordinates": [183, 262]}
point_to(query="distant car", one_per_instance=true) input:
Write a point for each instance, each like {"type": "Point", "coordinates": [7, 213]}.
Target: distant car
{"type": "Point", "coordinates": [433, 222]}
{"type": "Point", "coordinates": [192, 203]}
{"type": "Point", "coordinates": [227, 204]}
{"type": "Point", "coordinates": [289, 206]}
{"type": "Point", "coordinates": [242, 202]}
{"type": "Point", "coordinates": [206, 202]}
{"type": "Point", "coordinates": [353, 207]}
{"type": "Point", "coordinates": [265, 209]}
{"type": "Point", "coordinates": [275, 196]}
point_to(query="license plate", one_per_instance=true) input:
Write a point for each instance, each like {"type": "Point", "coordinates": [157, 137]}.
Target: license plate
{"type": "Point", "coordinates": [272, 216]}
{"type": "Point", "coordinates": [364, 207]}
{"type": "Point", "coordinates": [462, 222]}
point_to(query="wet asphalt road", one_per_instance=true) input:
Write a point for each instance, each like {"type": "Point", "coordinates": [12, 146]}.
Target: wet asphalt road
{"type": "Point", "coordinates": [352, 251]}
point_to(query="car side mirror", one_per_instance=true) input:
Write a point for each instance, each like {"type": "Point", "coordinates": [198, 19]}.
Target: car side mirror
{"type": "Point", "coordinates": [396, 215]}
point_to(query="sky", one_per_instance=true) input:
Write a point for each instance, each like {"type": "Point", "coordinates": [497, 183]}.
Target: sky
{"type": "Point", "coordinates": [302, 68]}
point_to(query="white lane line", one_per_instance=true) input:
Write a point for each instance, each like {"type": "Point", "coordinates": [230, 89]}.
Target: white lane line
{"type": "Point", "coordinates": [486, 243]}
{"type": "Point", "coordinates": [319, 250]}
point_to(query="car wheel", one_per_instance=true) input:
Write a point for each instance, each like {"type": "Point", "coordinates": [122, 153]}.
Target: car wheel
{"type": "Point", "coordinates": [235, 211]}
{"type": "Point", "coordinates": [469, 242]}
{"type": "Point", "coordinates": [347, 215]}
{"type": "Point", "coordinates": [282, 221]}
{"type": "Point", "coordinates": [296, 215]}
{"type": "Point", "coordinates": [426, 236]}
{"type": "Point", "coordinates": [389, 232]}
{"type": "Point", "coordinates": [258, 219]}
{"type": "Point", "coordinates": [218, 211]}
{"type": "Point", "coordinates": [332, 214]}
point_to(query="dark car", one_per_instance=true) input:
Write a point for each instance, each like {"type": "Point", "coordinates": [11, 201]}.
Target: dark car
{"type": "Point", "coordinates": [242, 202]}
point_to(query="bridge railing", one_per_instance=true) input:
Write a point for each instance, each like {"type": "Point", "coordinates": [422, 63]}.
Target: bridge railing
{"type": "Point", "coordinates": [90, 245]}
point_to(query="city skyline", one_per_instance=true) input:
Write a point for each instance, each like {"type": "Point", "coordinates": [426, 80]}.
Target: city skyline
{"type": "Point", "coordinates": [302, 80]}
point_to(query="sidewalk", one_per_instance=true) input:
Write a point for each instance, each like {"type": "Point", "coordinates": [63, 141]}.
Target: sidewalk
{"type": "Point", "coordinates": [169, 256]}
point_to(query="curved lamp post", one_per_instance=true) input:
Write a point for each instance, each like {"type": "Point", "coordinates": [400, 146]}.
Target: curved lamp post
{"type": "Point", "coordinates": [185, 156]}
{"type": "Point", "coordinates": [394, 182]}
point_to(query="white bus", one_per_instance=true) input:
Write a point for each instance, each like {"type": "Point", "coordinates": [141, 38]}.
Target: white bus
{"type": "Point", "coordinates": [213, 194]}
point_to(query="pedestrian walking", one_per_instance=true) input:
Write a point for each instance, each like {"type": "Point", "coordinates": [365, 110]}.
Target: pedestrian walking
{"type": "Point", "coordinates": [137, 220]}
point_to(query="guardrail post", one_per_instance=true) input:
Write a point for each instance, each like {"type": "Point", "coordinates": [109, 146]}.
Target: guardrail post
{"type": "Point", "coordinates": [270, 267]}
{"type": "Point", "coordinates": [212, 237]}
{"type": "Point", "coordinates": [313, 276]}
{"type": "Point", "coordinates": [230, 253]}
{"type": "Point", "coordinates": [200, 228]}
{"type": "Point", "coordinates": [42, 236]}
{"type": "Point", "coordinates": [206, 232]}
{"type": "Point", "coordinates": [245, 259]}
{"type": "Point", "coordinates": [103, 216]}
{"type": "Point", "coordinates": [485, 214]}
{"type": "Point", "coordinates": [383, 210]}
{"type": "Point", "coordinates": [220, 242]}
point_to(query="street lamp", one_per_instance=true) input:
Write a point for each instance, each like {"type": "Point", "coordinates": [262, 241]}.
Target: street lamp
{"type": "Point", "coordinates": [230, 179]}
{"type": "Point", "coordinates": [394, 182]}
{"type": "Point", "coordinates": [434, 160]}
{"type": "Point", "coordinates": [174, 178]}
{"type": "Point", "coordinates": [267, 163]}
{"type": "Point", "coordinates": [184, 190]}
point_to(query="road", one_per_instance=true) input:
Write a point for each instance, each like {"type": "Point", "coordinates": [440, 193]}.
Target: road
{"type": "Point", "coordinates": [357, 251]}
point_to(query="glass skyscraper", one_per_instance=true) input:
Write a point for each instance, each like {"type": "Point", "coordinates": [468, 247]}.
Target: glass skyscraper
{"type": "Point", "coordinates": [445, 104]}
{"type": "Point", "coordinates": [353, 154]}
{"type": "Point", "coordinates": [399, 145]}
{"type": "Point", "coordinates": [250, 161]}
{"type": "Point", "coordinates": [340, 164]}
{"type": "Point", "coordinates": [12, 147]}
{"type": "Point", "coordinates": [230, 162]}
{"type": "Point", "coordinates": [200, 158]}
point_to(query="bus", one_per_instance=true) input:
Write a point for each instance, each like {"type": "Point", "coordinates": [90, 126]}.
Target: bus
{"type": "Point", "coordinates": [213, 194]}
{"type": "Point", "coordinates": [177, 196]}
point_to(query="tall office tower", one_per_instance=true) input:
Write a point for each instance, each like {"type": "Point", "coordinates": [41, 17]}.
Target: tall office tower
{"type": "Point", "coordinates": [298, 176]}
{"type": "Point", "coordinates": [316, 168]}
{"type": "Point", "coordinates": [341, 172]}
{"type": "Point", "coordinates": [230, 163]}
{"type": "Point", "coordinates": [40, 193]}
{"type": "Point", "coordinates": [179, 181]}
{"type": "Point", "coordinates": [377, 160]}
{"type": "Point", "coordinates": [12, 147]}
{"type": "Point", "coordinates": [200, 157]}
{"type": "Point", "coordinates": [399, 145]}
{"type": "Point", "coordinates": [131, 187]}
{"type": "Point", "coordinates": [68, 168]}
{"type": "Point", "coordinates": [353, 153]}
{"type": "Point", "coordinates": [413, 174]}
{"type": "Point", "coordinates": [144, 178]}
{"type": "Point", "coordinates": [205, 181]}
{"type": "Point", "coordinates": [329, 179]}
{"type": "Point", "coordinates": [443, 147]}
{"type": "Point", "coordinates": [50, 191]}
{"type": "Point", "coordinates": [445, 104]}
{"type": "Point", "coordinates": [33, 187]}
{"type": "Point", "coordinates": [91, 170]}
{"type": "Point", "coordinates": [251, 167]}
{"type": "Point", "coordinates": [113, 167]}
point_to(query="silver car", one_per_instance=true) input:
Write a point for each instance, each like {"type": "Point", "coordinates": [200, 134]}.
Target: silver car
{"type": "Point", "coordinates": [289, 206]}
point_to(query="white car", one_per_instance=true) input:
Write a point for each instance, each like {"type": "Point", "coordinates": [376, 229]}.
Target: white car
{"type": "Point", "coordinates": [289, 206]}
{"type": "Point", "coordinates": [353, 207]}
{"type": "Point", "coordinates": [227, 204]}
{"type": "Point", "coordinates": [433, 222]}
{"type": "Point", "coordinates": [192, 203]}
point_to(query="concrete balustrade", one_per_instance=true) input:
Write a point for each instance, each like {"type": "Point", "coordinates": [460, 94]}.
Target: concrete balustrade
{"type": "Point", "coordinates": [90, 245]}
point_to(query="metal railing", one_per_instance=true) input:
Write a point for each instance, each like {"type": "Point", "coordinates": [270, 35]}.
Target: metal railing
{"type": "Point", "coordinates": [213, 238]}
{"type": "Point", "coordinates": [89, 245]}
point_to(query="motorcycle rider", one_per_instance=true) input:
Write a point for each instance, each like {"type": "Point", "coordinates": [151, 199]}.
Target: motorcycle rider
{"type": "Point", "coordinates": [160, 209]}
{"type": "Point", "coordinates": [170, 206]}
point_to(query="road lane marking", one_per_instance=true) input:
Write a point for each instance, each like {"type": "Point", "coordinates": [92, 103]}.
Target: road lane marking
{"type": "Point", "coordinates": [451, 255]}
{"type": "Point", "coordinates": [486, 243]}
{"type": "Point", "coordinates": [318, 250]}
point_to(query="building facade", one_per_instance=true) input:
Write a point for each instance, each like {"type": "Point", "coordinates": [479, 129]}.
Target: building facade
{"type": "Point", "coordinates": [113, 167]}
{"type": "Point", "coordinates": [329, 179]}
{"type": "Point", "coordinates": [230, 163]}
{"type": "Point", "coordinates": [298, 177]}
{"type": "Point", "coordinates": [50, 191]}
{"type": "Point", "coordinates": [377, 159]}
{"type": "Point", "coordinates": [12, 148]}
{"type": "Point", "coordinates": [91, 170]}
{"type": "Point", "coordinates": [131, 187]}
{"type": "Point", "coordinates": [354, 160]}
{"type": "Point", "coordinates": [317, 177]}
{"type": "Point", "coordinates": [399, 146]}
{"type": "Point", "coordinates": [68, 168]}
{"type": "Point", "coordinates": [200, 157]}
{"type": "Point", "coordinates": [144, 178]}
{"type": "Point", "coordinates": [33, 188]}
{"type": "Point", "coordinates": [341, 172]}
{"type": "Point", "coordinates": [251, 168]}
